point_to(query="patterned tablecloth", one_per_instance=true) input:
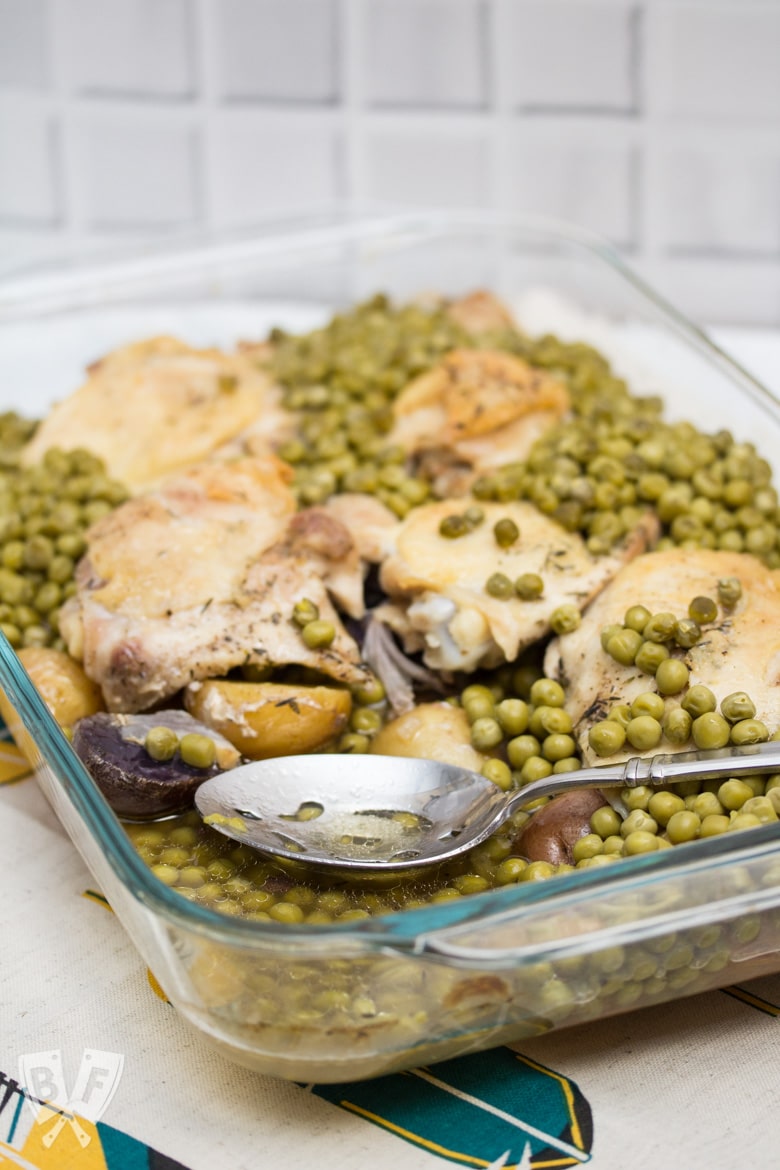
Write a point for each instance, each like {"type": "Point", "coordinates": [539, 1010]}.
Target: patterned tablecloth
{"type": "Point", "coordinates": [685, 1086]}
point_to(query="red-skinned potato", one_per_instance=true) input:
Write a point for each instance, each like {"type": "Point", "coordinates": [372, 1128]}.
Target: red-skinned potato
{"type": "Point", "coordinates": [554, 830]}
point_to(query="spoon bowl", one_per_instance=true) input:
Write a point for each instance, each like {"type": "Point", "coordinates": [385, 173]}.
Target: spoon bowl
{"type": "Point", "coordinates": [396, 814]}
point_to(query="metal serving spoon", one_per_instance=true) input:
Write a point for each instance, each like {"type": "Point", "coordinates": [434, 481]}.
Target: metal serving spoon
{"type": "Point", "coordinates": [390, 813]}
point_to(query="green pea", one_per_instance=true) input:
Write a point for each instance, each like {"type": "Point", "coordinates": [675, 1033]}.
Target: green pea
{"type": "Point", "coordinates": [606, 738]}
{"type": "Point", "coordinates": [513, 715]}
{"type": "Point", "coordinates": [672, 676]}
{"type": "Point", "coordinates": [706, 804]}
{"type": "Point", "coordinates": [643, 732]}
{"type": "Point", "coordinates": [564, 619]}
{"type": "Point", "coordinates": [522, 748]}
{"type": "Point", "coordinates": [529, 586]}
{"type": "Point", "coordinates": [761, 807]}
{"type": "Point", "coordinates": [199, 751]}
{"type": "Point", "coordinates": [749, 731]}
{"type": "Point", "coordinates": [499, 586]}
{"type": "Point", "coordinates": [650, 656]}
{"type": "Point", "coordinates": [710, 730]}
{"type": "Point", "coordinates": [506, 532]}
{"type": "Point", "coordinates": [699, 701]}
{"type": "Point", "coordinates": [703, 610]}
{"type": "Point", "coordinates": [737, 706]}
{"type": "Point", "coordinates": [648, 703]}
{"type": "Point", "coordinates": [161, 743]}
{"type": "Point", "coordinates": [370, 693]}
{"type": "Point", "coordinates": [677, 725]}
{"type": "Point", "coordinates": [499, 772]}
{"type": "Point", "coordinates": [683, 826]}
{"type": "Point", "coordinates": [621, 713]}
{"type": "Point", "coordinates": [558, 747]}
{"type": "Point", "coordinates": [660, 627]}
{"type": "Point", "coordinates": [713, 825]}
{"type": "Point", "coordinates": [607, 632]}
{"type": "Point", "coordinates": [353, 743]}
{"type": "Point", "coordinates": [729, 591]}
{"type": "Point", "coordinates": [546, 692]}
{"type": "Point", "coordinates": [605, 821]}
{"type": "Point", "coordinates": [365, 720]}
{"type": "Point", "coordinates": [550, 721]}
{"type": "Point", "coordinates": [479, 707]}
{"type": "Point", "coordinates": [636, 618]}
{"type": "Point", "coordinates": [687, 633]}
{"type": "Point", "coordinates": [454, 526]}
{"type": "Point", "coordinates": [591, 845]}
{"type": "Point", "coordinates": [638, 842]}
{"type": "Point", "coordinates": [305, 611]}
{"type": "Point", "coordinates": [638, 820]}
{"type": "Point", "coordinates": [623, 647]}
{"type": "Point", "coordinates": [535, 768]}
{"type": "Point", "coordinates": [663, 805]}
{"type": "Point", "coordinates": [486, 733]}
{"type": "Point", "coordinates": [318, 634]}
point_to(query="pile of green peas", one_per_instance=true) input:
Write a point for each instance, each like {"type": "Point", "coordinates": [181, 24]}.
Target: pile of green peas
{"type": "Point", "coordinates": [204, 866]}
{"type": "Point", "coordinates": [368, 717]}
{"type": "Point", "coordinates": [599, 471]}
{"type": "Point", "coordinates": [341, 381]}
{"type": "Point", "coordinates": [45, 511]}
{"type": "Point", "coordinates": [530, 737]}
{"type": "Point", "coordinates": [316, 633]}
{"type": "Point", "coordinates": [687, 812]}
{"type": "Point", "coordinates": [643, 723]}
{"type": "Point", "coordinates": [642, 641]}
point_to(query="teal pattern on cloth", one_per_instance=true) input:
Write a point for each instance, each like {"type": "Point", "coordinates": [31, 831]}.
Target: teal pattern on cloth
{"type": "Point", "coordinates": [477, 1110]}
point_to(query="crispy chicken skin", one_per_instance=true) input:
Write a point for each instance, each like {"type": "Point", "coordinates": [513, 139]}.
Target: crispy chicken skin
{"type": "Point", "coordinates": [739, 652]}
{"type": "Point", "coordinates": [200, 576]}
{"type": "Point", "coordinates": [477, 408]}
{"type": "Point", "coordinates": [438, 601]}
{"type": "Point", "coordinates": [480, 312]}
{"type": "Point", "coordinates": [154, 407]}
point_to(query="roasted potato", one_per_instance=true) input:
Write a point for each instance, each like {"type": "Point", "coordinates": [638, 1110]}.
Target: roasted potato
{"type": "Point", "coordinates": [554, 830]}
{"type": "Point", "coordinates": [265, 719]}
{"type": "Point", "coordinates": [64, 687]}
{"type": "Point", "coordinates": [432, 731]}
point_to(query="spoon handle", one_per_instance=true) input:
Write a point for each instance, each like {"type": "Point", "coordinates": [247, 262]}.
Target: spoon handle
{"type": "Point", "coordinates": [656, 771]}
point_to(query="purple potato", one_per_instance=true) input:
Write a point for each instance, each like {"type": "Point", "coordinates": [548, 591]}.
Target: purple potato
{"type": "Point", "coordinates": [136, 786]}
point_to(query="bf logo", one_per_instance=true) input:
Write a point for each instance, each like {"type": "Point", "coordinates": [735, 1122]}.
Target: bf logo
{"type": "Point", "coordinates": [42, 1076]}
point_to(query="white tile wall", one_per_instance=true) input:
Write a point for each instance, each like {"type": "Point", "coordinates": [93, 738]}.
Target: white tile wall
{"type": "Point", "coordinates": [654, 122]}
{"type": "Point", "coordinates": [277, 50]}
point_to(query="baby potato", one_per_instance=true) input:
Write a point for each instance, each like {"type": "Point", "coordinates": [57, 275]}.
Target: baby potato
{"type": "Point", "coordinates": [269, 719]}
{"type": "Point", "coordinates": [64, 687]}
{"type": "Point", "coordinates": [553, 831]}
{"type": "Point", "coordinates": [432, 731]}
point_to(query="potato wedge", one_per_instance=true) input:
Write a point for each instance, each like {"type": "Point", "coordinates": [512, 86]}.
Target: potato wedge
{"type": "Point", "coordinates": [269, 719]}
{"type": "Point", "coordinates": [432, 731]}
{"type": "Point", "coordinates": [64, 687]}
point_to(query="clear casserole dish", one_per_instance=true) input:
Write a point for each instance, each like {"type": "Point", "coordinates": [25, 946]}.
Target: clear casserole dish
{"type": "Point", "coordinates": [431, 983]}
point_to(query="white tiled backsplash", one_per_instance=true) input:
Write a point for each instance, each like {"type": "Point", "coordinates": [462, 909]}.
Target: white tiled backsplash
{"type": "Point", "coordinates": [653, 122]}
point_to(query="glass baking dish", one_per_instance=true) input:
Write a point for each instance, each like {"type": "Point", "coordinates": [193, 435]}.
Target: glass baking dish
{"type": "Point", "coordinates": [343, 1002]}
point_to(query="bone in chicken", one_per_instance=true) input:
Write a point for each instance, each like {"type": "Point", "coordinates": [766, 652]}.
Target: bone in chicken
{"type": "Point", "coordinates": [438, 600]}
{"type": "Point", "coordinates": [739, 652]}
{"type": "Point", "coordinates": [201, 576]}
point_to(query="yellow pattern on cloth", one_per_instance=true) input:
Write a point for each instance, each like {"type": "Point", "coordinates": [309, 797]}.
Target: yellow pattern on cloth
{"type": "Point", "coordinates": [66, 1151]}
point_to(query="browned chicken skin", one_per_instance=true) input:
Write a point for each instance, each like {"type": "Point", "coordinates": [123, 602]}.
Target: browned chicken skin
{"type": "Point", "coordinates": [438, 600]}
{"type": "Point", "coordinates": [201, 576]}
{"type": "Point", "coordinates": [154, 407]}
{"type": "Point", "coordinates": [474, 411]}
